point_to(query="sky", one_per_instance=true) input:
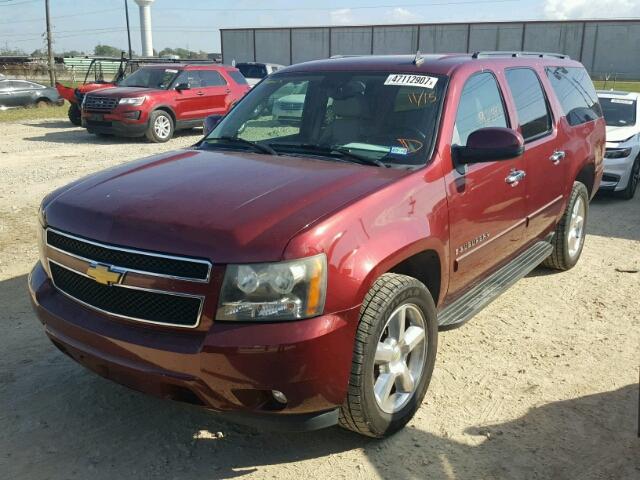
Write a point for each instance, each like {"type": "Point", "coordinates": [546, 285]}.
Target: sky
{"type": "Point", "coordinates": [194, 24]}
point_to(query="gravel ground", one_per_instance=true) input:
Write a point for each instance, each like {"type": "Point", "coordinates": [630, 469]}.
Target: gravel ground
{"type": "Point", "coordinates": [542, 384]}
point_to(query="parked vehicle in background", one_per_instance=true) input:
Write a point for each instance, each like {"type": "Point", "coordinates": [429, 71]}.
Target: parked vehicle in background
{"type": "Point", "coordinates": [156, 100]}
{"type": "Point", "coordinates": [23, 93]}
{"type": "Point", "coordinates": [254, 72]}
{"type": "Point", "coordinates": [622, 158]}
{"type": "Point", "coordinates": [298, 272]}
{"type": "Point", "coordinates": [102, 72]}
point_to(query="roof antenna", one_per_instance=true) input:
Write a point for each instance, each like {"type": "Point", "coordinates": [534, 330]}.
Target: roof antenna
{"type": "Point", "coordinates": [418, 59]}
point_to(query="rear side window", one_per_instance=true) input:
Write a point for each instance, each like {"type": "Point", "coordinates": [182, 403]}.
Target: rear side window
{"type": "Point", "coordinates": [211, 78]}
{"type": "Point", "coordinates": [576, 94]}
{"type": "Point", "coordinates": [531, 104]}
{"type": "Point", "coordinates": [480, 106]}
{"type": "Point", "coordinates": [237, 77]}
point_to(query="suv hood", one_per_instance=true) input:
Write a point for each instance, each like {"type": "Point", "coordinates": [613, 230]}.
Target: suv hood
{"type": "Point", "coordinates": [229, 207]}
{"type": "Point", "coordinates": [619, 134]}
{"type": "Point", "coordinates": [120, 92]}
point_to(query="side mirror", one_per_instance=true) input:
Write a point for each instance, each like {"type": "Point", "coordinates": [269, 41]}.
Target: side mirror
{"type": "Point", "coordinates": [183, 86]}
{"type": "Point", "coordinates": [210, 123]}
{"type": "Point", "coordinates": [488, 145]}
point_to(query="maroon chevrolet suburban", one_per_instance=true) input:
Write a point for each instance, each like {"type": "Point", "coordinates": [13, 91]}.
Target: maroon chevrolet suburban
{"type": "Point", "coordinates": [297, 273]}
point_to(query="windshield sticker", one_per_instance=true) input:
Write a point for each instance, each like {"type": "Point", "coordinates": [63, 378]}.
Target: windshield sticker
{"type": "Point", "coordinates": [624, 102]}
{"type": "Point", "coordinates": [171, 71]}
{"type": "Point", "coordinates": [399, 151]}
{"type": "Point", "coordinates": [410, 144]}
{"type": "Point", "coordinates": [403, 79]}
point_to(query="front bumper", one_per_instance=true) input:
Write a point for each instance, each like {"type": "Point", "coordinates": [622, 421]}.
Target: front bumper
{"type": "Point", "coordinates": [231, 368]}
{"type": "Point", "coordinates": [617, 171]}
{"type": "Point", "coordinates": [112, 126]}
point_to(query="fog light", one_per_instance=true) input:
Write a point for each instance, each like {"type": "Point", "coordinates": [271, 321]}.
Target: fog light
{"type": "Point", "coordinates": [134, 115]}
{"type": "Point", "coordinates": [279, 397]}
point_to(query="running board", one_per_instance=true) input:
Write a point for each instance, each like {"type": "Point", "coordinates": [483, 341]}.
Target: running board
{"type": "Point", "coordinates": [471, 302]}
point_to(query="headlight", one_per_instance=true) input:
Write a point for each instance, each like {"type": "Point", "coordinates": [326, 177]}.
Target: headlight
{"type": "Point", "coordinates": [274, 291]}
{"type": "Point", "coordinates": [617, 152]}
{"type": "Point", "coordinates": [134, 101]}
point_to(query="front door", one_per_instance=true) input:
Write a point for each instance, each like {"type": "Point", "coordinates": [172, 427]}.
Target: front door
{"type": "Point", "coordinates": [544, 162]}
{"type": "Point", "coordinates": [486, 209]}
{"type": "Point", "coordinates": [189, 103]}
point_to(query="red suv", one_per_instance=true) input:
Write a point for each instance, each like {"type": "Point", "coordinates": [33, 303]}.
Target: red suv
{"type": "Point", "coordinates": [157, 100]}
{"type": "Point", "coordinates": [299, 272]}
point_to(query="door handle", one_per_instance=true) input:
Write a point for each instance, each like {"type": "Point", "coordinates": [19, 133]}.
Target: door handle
{"type": "Point", "coordinates": [515, 177]}
{"type": "Point", "coordinates": [557, 156]}
{"type": "Point", "coordinates": [200, 94]}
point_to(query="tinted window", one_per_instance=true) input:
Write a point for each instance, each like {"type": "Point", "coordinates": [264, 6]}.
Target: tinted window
{"type": "Point", "coordinates": [576, 94]}
{"type": "Point", "coordinates": [191, 77]}
{"type": "Point", "coordinates": [250, 70]}
{"type": "Point", "coordinates": [237, 77]}
{"type": "Point", "coordinates": [480, 107]}
{"type": "Point", "coordinates": [211, 78]}
{"type": "Point", "coordinates": [531, 104]}
{"type": "Point", "coordinates": [618, 112]}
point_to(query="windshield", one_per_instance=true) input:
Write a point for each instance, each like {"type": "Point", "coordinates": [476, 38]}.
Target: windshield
{"type": "Point", "coordinates": [377, 117]}
{"type": "Point", "coordinates": [149, 77]}
{"type": "Point", "coordinates": [250, 70]}
{"type": "Point", "coordinates": [618, 112]}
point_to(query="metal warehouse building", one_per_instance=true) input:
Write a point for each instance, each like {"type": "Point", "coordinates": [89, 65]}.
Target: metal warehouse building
{"type": "Point", "coordinates": [605, 47]}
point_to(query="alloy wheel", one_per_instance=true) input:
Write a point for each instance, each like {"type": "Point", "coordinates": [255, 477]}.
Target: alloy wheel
{"type": "Point", "coordinates": [575, 236]}
{"type": "Point", "coordinates": [399, 358]}
{"type": "Point", "coordinates": [162, 127]}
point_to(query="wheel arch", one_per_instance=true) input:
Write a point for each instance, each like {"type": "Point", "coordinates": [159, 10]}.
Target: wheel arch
{"type": "Point", "coordinates": [587, 176]}
{"type": "Point", "coordinates": [167, 109]}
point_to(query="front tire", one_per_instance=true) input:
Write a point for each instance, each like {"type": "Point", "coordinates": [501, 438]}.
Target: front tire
{"type": "Point", "coordinates": [634, 178]}
{"type": "Point", "coordinates": [161, 127]}
{"type": "Point", "coordinates": [568, 240]}
{"type": "Point", "coordinates": [394, 355]}
{"type": "Point", "coordinates": [74, 114]}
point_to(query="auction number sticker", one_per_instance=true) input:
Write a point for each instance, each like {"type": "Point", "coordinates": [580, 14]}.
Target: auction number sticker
{"type": "Point", "coordinates": [408, 80]}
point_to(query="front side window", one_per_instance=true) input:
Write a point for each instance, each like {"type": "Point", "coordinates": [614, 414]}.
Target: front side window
{"type": "Point", "coordinates": [386, 119]}
{"type": "Point", "coordinates": [150, 78]}
{"type": "Point", "coordinates": [533, 114]}
{"type": "Point", "coordinates": [576, 94]}
{"type": "Point", "coordinates": [190, 77]}
{"type": "Point", "coordinates": [619, 112]}
{"type": "Point", "coordinates": [480, 106]}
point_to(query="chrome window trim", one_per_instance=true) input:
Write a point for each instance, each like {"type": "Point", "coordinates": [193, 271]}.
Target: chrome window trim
{"type": "Point", "coordinates": [126, 317]}
{"type": "Point", "coordinates": [137, 252]}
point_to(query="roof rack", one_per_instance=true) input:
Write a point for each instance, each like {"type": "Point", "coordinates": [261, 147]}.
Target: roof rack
{"type": "Point", "coordinates": [516, 54]}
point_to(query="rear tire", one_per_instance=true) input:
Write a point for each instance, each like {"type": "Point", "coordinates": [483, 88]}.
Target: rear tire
{"type": "Point", "coordinates": [74, 114]}
{"type": "Point", "coordinates": [629, 192]}
{"type": "Point", "coordinates": [389, 377]}
{"type": "Point", "coordinates": [568, 240]}
{"type": "Point", "coordinates": [161, 127]}
{"type": "Point", "coordinates": [42, 103]}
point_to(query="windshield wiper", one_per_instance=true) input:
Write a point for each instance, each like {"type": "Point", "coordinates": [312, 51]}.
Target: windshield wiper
{"type": "Point", "coordinates": [339, 153]}
{"type": "Point", "coordinates": [260, 147]}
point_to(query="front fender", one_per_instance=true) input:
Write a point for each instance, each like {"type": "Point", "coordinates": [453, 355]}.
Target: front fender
{"type": "Point", "coordinates": [373, 234]}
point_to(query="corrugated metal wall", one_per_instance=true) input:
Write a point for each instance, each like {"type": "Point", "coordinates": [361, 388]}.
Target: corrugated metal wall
{"type": "Point", "coordinates": [604, 47]}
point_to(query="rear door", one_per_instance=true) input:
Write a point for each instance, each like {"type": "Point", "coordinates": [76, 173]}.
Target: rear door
{"type": "Point", "coordinates": [22, 93]}
{"type": "Point", "coordinates": [215, 90]}
{"type": "Point", "coordinates": [544, 159]}
{"type": "Point", "coordinates": [486, 213]}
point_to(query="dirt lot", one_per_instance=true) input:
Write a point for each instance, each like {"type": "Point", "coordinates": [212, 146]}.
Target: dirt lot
{"type": "Point", "coordinates": [542, 384]}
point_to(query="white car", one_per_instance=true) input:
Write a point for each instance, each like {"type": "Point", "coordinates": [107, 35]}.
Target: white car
{"type": "Point", "coordinates": [254, 72]}
{"type": "Point", "coordinates": [622, 158]}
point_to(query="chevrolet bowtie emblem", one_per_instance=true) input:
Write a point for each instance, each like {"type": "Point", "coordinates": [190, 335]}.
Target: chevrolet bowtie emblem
{"type": "Point", "coordinates": [104, 274]}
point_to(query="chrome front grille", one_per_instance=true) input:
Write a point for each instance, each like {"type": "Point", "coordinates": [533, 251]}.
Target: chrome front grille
{"type": "Point", "coordinates": [99, 103]}
{"type": "Point", "coordinates": [73, 262]}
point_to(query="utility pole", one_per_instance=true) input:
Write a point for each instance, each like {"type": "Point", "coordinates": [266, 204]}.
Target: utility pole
{"type": "Point", "coordinates": [52, 74]}
{"type": "Point", "coordinates": [126, 12]}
